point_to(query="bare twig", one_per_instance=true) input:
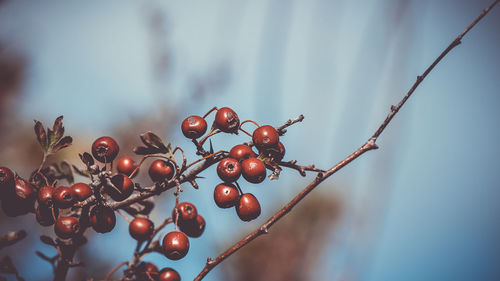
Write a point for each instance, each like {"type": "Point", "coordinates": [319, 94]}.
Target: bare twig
{"type": "Point", "coordinates": [282, 129]}
{"type": "Point", "coordinates": [301, 169]}
{"type": "Point", "coordinates": [367, 146]}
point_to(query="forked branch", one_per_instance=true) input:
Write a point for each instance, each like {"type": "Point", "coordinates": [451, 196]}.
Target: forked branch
{"type": "Point", "coordinates": [367, 146]}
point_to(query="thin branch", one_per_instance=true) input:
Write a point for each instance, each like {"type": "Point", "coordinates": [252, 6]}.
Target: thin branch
{"type": "Point", "coordinates": [367, 146]}
{"type": "Point", "coordinates": [301, 169]}
{"type": "Point", "coordinates": [420, 78]}
{"type": "Point", "coordinates": [282, 129]}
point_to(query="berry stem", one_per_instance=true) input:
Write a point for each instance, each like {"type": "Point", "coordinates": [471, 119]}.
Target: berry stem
{"type": "Point", "coordinates": [249, 121]}
{"type": "Point", "coordinates": [149, 156]}
{"type": "Point", "coordinates": [161, 226]}
{"type": "Point", "coordinates": [204, 139]}
{"type": "Point", "coordinates": [239, 188]}
{"type": "Point", "coordinates": [44, 159]}
{"type": "Point", "coordinates": [210, 111]}
{"type": "Point", "coordinates": [245, 132]}
{"type": "Point", "coordinates": [184, 159]}
{"type": "Point", "coordinates": [201, 159]}
{"type": "Point", "coordinates": [124, 216]}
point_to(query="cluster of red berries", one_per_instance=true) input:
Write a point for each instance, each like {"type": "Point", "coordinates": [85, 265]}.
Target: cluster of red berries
{"type": "Point", "coordinates": [19, 197]}
{"type": "Point", "coordinates": [73, 209]}
{"type": "Point", "coordinates": [241, 160]}
{"type": "Point", "coordinates": [175, 244]}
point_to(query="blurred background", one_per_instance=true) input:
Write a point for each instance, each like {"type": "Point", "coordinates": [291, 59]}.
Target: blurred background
{"type": "Point", "coordinates": [422, 207]}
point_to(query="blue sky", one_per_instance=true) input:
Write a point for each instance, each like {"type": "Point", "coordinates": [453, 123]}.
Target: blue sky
{"type": "Point", "coordinates": [422, 207]}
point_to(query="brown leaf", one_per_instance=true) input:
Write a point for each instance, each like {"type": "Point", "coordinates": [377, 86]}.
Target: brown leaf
{"type": "Point", "coordinates": [153, 141]}
{"type": "Point", "coordinates": [41, 135]}
{"type": "Point", "coordinates": [58, 128]}
{"type": "Point", "coordinates": [62, 143]}
{"type": "Point", "coordinates": [87, 159]}
{"type": "Point", "coordinates": [47, 240]}
{"type": "Point", "coordinates": [141, 150]}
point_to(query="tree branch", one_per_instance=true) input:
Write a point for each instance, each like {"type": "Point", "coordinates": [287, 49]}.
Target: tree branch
{"type": "Point", "coordinates": [367, 146]}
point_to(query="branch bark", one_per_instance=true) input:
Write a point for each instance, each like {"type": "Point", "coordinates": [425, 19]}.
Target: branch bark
{"type": "Point", "coordinates": [367, 146]}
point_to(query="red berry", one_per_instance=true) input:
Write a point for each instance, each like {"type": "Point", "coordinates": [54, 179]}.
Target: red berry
{"type": "Point", "coordinates": [81, 191]}
{"type": "Point", "coordinates": [248, 208]}
{"type": "Point", "coordinates": [13, 207]}
{"type": "Point", "coordinates": [226, 195]}
{"type": "Point", "coordinates": [141, 229]}
{"type": "Point", "coordinates": [194, 127]}
{"type": "Point", "coordinates": [45, 195]}
{"type": "Point", "coordinates": [229, 169]}
{"type": "Point", "coordinates": [193, 228]}
{"type": "Point", "coordinates": [123, 187]}
{"type": "Point", "coordinates": [187, 212]}
{"type": "Point", "coordinates": [63, 197]}
{"type": "Point", "coordinates": [175, 245]}
{"type": "Point", "coordinates": [147, 271]}
{"type": "Point", "coordinates": [20, 198]}
{"type": "Point", "coordinates": [105, 149]}
{"type": "Point", "coordinates": [265, 137]}
{"type": "Point", "coordinates": [227, 120]}
{"type": "Point", "coordinates": [44, 215]}
{"type": "Point", "coordinates": [102, 219]}
{"type": "Point", "coordinates": [161, 170]}
{"type": "Point", "coordinates": [125, 165]}
{"type": "Point", "coordinates": [168, 274]}
{"type": "Point", "coordinates": [24, 190]}
{"type": "Point", "coordinates": [276, 152]}
{"type": "Point", "coordinates": [253, 170]}
{"type": "Point", "coordinates": [241, 152]}
{"type": "Point", "coordinates": [67, 227]}
{"type": "Point", "coordinates": [6, 179]}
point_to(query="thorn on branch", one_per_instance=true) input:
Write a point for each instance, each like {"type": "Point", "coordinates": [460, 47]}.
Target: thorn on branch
{"type": "Point", "coordinates": [264, 230]}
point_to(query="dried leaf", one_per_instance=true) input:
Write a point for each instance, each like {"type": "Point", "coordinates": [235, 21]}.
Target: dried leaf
{"type": "Point", "coordinates": [47, 240]}
{"type": "Point", "coordinates": [62, 143]}
{"type": "Point", "coordinates": [41, 135]}
{"type": "Point", "coordinates": [141, 150]}
{"type": "Point", "coordinates": [67, 172]}
{"type": "Point", "coordinates": [51, 138]}
{"type": "Point", "coordinates": [58, 128]}
{"type": "Point", "coordinates": [87, 159]}
{"type": "Point", "coordinates": [153, 141]}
